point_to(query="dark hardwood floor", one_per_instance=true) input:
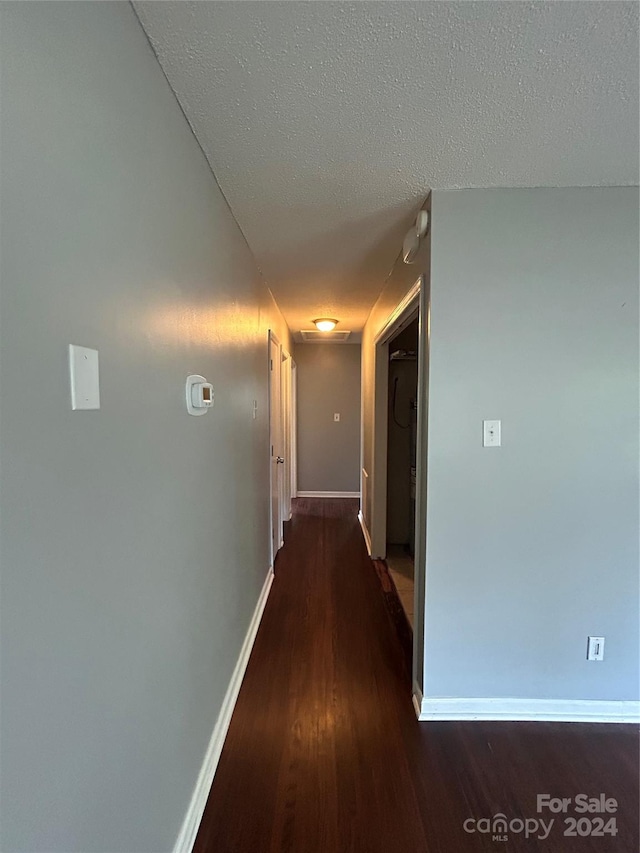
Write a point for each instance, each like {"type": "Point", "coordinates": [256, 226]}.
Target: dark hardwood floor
{"type": "Point", "coordinates": [324, 753]}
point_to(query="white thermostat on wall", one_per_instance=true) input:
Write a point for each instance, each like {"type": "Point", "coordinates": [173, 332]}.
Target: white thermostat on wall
{"type": "Point", "coordinates": [199, 395]}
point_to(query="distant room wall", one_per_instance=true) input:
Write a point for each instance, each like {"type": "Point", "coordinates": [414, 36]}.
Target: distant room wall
{"type": "Point", "coordinates": [328, 382]}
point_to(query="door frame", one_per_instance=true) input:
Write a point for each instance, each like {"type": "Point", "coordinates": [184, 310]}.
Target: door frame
{"type": "Point", "coordinates": [286, 409]}
{"type": "Point", "coordinates": [294, 429]}
{"type": "Point", "coordinates": [415, 303]}
{"type": "Point", "coordinates": [275, 442]}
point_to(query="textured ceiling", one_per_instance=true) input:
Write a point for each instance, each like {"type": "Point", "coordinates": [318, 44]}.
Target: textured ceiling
{"type": "Point", "coordinates": [327, 123]}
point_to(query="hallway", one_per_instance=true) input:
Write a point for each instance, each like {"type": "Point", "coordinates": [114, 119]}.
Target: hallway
{"type": "Point", "coordinates": [324, 753]}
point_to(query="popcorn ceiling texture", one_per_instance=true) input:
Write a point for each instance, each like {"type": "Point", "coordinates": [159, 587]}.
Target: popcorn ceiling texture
{"type": "Point", "coordinates": [326, 124]}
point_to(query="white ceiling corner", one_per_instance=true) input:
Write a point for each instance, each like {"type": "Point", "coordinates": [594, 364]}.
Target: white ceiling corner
{"type": "Point", "coordinates": [326, 123]}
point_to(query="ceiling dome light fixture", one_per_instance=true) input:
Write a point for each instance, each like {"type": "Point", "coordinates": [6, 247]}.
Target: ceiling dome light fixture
{"type": "Point", "coordinates": [325, 324]}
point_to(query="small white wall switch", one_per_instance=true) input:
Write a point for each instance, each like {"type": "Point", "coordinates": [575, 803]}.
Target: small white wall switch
{"type": "Point", "coordinates": [595, 648]}
{"type": "Point", "coordinates": [491, 433]}
{"type": "Point", "coordinates": [336, 416]}
{"type": "Point", "coordinates": [85, 379]}
{"type": "Point", "coordinates": [255, 409]}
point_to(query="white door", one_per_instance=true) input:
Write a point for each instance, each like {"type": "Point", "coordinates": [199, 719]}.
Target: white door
{"type": "Point", "coordinates": [285, 393]}
{"type": "Point", "coordinates": [275, 439]}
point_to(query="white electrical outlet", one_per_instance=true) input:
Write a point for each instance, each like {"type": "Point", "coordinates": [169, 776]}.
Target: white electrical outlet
{"type": "Point", "coordinates": [595, 648]}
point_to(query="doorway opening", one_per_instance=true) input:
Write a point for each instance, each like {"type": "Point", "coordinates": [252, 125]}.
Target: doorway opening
{"type": "Point", "coordinates": [282, 440]}
{"type": "Point", "coordinates": [402, 423]}
{"type": "Point", "coordinates": [276, 444]}
{"type": "Point", "coordinates": [398, 479]}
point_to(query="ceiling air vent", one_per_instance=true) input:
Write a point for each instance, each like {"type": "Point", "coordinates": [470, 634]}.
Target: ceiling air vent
{"type": "Point", "coordinates": [313, 336]}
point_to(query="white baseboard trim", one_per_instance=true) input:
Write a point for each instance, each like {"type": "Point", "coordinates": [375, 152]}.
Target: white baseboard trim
{"type": "Point", "coordinates": [536, 710]}
{"type": "Point", "coordinates": [191, 823]}
{"type": "Point", "coordinates": [328, 494]}
{"type": "Point", "coordinates": [365, 532]}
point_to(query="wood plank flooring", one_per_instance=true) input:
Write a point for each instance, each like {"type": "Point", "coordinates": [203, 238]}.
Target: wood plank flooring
{"type": "Point", "coordinates": [324, 753]}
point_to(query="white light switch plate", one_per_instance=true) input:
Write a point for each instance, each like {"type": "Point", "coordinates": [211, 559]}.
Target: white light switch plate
{"type": "Point", "coordinates": [595, 648]}
{"type": "Point", "coordinates": [336, 416]}
{"type": "Point", "coordinates": [85, 380]}
{"type": "Point", "coordinates": [491, 433]}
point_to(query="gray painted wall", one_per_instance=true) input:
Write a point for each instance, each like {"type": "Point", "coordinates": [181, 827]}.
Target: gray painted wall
{"type": "Point", "coordinates": [328, 382]}
{"type": "Point", "coordinates": [134, 539]}
{"type": "Point", "coordinates": [533, 546]}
